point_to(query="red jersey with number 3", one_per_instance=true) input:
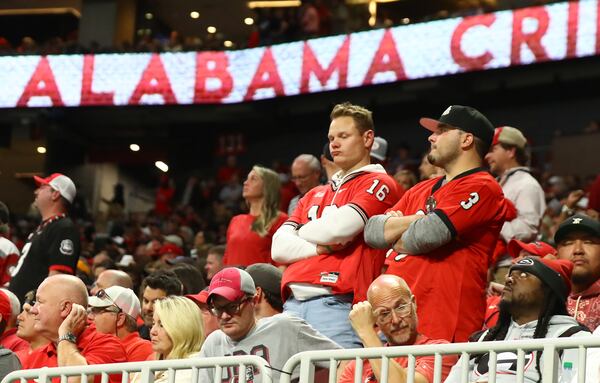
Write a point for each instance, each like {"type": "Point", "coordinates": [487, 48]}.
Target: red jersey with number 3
{"type": "Point", "coordinates": [449, 282]}
{"type": "Point", "coordinates": [353, 268]}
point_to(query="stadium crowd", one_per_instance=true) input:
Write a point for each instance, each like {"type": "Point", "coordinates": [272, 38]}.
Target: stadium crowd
{"type": "Point", "coordinates": [314, 18]}
{"type": "Point", "coordinates": [343, 250]}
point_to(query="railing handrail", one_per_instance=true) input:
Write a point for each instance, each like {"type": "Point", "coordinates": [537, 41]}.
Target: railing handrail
{"type": "Point", "coordinates": [149, 366]}
{"type": "Point", "coordinates": [432, 349]}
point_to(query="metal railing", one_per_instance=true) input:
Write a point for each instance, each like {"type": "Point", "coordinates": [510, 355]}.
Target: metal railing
{"type": "Point", "coordinates": [307, 359]}
{"type": "Point", "coordinates": [147, 370]}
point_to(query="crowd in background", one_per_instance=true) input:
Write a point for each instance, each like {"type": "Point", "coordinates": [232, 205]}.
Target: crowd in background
{"type": "Point", "coordinates": [314, 18]}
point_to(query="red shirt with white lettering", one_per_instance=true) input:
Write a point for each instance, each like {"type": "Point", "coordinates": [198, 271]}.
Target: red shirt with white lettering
{"type": "Point", "coordinates": [244, 246]}
{"type": "Point", "coordinates": [449, 282]}
{"type": "Point", "coordinates": [353, 268]}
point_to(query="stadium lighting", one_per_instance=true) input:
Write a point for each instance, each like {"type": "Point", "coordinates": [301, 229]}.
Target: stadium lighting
{"type": "Point", "coordinates": [228, 43]}
{"type": "Point", "coordinates": [194, 14]}
{"type": "Point", "coordinates": [41, 149]}
{"type": "Point", "coordinates": [149, 16]}
{"type": "Point", "coordinates": [211, 29]}
{"type": "Point", "coordinates": [162, 166]}
{"type": "Point", "coordinates": [274, 4]}
{"type": "Point", "coordinates": [248, 21]}
{"type": "Point", "coordinates": [134, 147]}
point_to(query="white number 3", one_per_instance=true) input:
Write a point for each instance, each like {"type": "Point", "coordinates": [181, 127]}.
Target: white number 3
{"type": "Point", "coordinates": [381, 193]}
{"type": "Point", "coordinates": [473, 199]}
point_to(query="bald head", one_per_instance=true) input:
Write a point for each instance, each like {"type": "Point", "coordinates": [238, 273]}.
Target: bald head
{"type": "Point", "coordinates": [67, 287]}
{"type": "Point", "coordinates": [386, 286]}
{"type": "Point", "coordinates": [109, 278]}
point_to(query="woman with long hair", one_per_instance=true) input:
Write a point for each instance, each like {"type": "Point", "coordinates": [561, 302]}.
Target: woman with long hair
{"type": "Point", "coordinates": [177, 333]}
{"type": "Point", "coordinates": [249, 235]}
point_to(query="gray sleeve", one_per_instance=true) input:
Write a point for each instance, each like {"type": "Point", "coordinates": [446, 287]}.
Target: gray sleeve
{"type": "Point", "coordinates": [374, 232]}
{"type": "Point", "coordinates": [425, 235]}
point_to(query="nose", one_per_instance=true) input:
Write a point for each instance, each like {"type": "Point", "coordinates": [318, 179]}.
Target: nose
{"type": "Point", "coordinates": [578, 247]}
{"type": "Point", "coordinates": [487, 157]}
{"type": "Point", "coordinates": [432, 137]}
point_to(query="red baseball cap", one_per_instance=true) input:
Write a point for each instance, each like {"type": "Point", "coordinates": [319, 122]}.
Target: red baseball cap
{"type": "Point", "coordinates": [200, 298]}
{"type": "Point", "coordinates": [232, 284]}
{"type": "Point", "coordinates": [60, 183]}
{"type": "Point", "coordinates": [170, 248]}
{"type": "Point", "coordinates": [556, 273]}
{"type": "Point", "coordinates": [539, 248]}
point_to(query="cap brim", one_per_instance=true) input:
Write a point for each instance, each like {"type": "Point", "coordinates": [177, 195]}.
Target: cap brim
{"type": "Point", "coordinates": [566, 230]}
{"type": "Point", "coordinates": [40, 181]}
{"type": "Point", "coordinates": [226, 292]}
{"type": "Point", "coordinates": [514, 247]}
{"type": "Point", "coordinates": [200, 298]}
{"type": "Point", "coordinates": [430, 124]}
{"type": "Point", "coordinates": [94, 301]}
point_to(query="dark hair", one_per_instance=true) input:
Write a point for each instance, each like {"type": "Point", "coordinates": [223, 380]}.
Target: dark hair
{"type": "Point", "coordinates": [520, 155]}
{"type": "Point", "coordinates": [481, 147]}
{"type": "Point", "coordinates": [191, 278]}
{"type": "Point", "coordinates": [273, 299]}
{"type": "Point", "coordinates": [165, 280]}
{"type": "Point", "coordinates": [552, 305]}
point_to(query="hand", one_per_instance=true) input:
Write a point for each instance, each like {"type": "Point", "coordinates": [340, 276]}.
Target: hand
{"type": "Point", "coordinates": [495, 289]}
{"type": "Point", "coordinates": [573, 198]}
{"type": "Point", "coordinates": [75, 322]}
{"type": "Point", "coordinates": [396, 213]}
{"type": "Point", "coordinates": [330, 249]}
{"type": "Point", "coordinates": [362, 318]}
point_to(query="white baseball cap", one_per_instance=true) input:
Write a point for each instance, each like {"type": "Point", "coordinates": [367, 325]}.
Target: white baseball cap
{"type": "Point", "coordinates": [60, 183]}
{"type": "Point", "coordinates": [122, 297]}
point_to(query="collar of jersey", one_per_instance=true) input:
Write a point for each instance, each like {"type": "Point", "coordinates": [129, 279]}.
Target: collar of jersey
{"type": "Point", "coordinates": [337, 179]}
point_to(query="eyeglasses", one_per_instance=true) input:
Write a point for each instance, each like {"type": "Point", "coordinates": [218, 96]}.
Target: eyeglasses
{"type": "Point", "coordinates": [401, 311]}
{"type": "Point", "coordinates": [101, 294]}
{"type": "Point", "coordinates": [300, 178]}
{"type": "Point", "coordinates": [100, 310]}
{"type": "Point", "coordinates": [231, 309]}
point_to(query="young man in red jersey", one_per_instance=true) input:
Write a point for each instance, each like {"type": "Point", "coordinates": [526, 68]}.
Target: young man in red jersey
{"type": "Point", "coordinates": [444, 230]}
{"type": "Point", "coordinates": [329, 264]}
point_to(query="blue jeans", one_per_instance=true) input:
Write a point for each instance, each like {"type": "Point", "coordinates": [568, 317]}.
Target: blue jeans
{"type": "Point", "coordinates": [329, 315]}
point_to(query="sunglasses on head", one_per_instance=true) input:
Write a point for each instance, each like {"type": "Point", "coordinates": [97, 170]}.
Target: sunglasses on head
{"type": "Point", "coordinates": [101, 294]}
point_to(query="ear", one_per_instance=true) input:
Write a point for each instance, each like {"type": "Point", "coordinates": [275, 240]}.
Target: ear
{"type": "Point", "coordinates": [121, 320]}
{"type": "Point", "coordinates": [65, 308]}
{"type": "Point", "coordinates": [369, 137]}
{"type": "Point", "coordinates": [259, 295]}
{"type": "Point", "coordinates": [468, 140]}
{"type": "Point", "coordinates": [55, 195]}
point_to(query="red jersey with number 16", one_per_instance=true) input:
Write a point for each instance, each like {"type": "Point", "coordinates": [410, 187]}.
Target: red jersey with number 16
{"type": "Point", "coordinates": [449, 282]}
{"type": "Point", "coordinates": [353, 268]}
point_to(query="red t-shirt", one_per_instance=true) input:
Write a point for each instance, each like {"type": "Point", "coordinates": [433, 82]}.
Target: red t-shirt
{"type": "Point", "coordinates": [97, 348]}
{"type": "Point", "coordinates": [424, 365]}
{"type": "Point", "coordinates": [449, 282]}
{"type": "Point", "coordinates": [244, 246]}
{"type": "Point", "coordinates": [353, 268]}
{"type": "Point", "coordinates": [136, 348]}
{"type": "Point", "coordinates": [11, 341]}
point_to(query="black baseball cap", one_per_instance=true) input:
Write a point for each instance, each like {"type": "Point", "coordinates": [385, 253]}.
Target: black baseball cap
{"type": "Point", "coordinates": [464, 118]}
{"type": "Point", "coordinates": [578, 222]}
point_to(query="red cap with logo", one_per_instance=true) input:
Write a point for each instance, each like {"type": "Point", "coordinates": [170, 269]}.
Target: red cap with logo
{"type": "Point", "coordinates": [232, 284]}
{"type": "Point", "coordinates": [60, 183]}
{"type": "Point", "coordinates": [539, 248]}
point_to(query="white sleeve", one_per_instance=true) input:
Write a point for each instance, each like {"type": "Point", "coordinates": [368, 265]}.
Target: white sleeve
{"type": "Point", "coordinates": [530, 209]}
{"type": "Point", "coordinates": [337, 226]}
{"type": "Point", "coordinates": [287, 247]}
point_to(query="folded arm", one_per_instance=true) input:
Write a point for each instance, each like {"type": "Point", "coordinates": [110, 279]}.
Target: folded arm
{"type": "Point", "coordinates": [338, 226]}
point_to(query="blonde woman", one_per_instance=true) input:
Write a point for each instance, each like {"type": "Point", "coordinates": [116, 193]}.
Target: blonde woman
{"type": "Point", "coordinates": [249, 235]}
{"type": "Point", "coordinates": [177, 333]}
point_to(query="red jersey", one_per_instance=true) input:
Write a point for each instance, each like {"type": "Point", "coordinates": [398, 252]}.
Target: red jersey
{"type": "Point", "coordinates": [424, 365]}
{"type": "Point", "coordinates": [244, 246]}
{"type": "Point", "coordinates": [96, 348]}
{"type": "Point", "coordinates": [11, 341]}
{"type": "Point", "coordinates": [353, 268]}
{"type": "Point", "coordinates": [449, 282]}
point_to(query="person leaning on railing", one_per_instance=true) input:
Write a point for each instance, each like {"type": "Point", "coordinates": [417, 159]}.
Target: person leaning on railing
{"type": "Point", "coordinates": [177, 333]}
{"type": "Point", "coordinates": [393, 308]}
